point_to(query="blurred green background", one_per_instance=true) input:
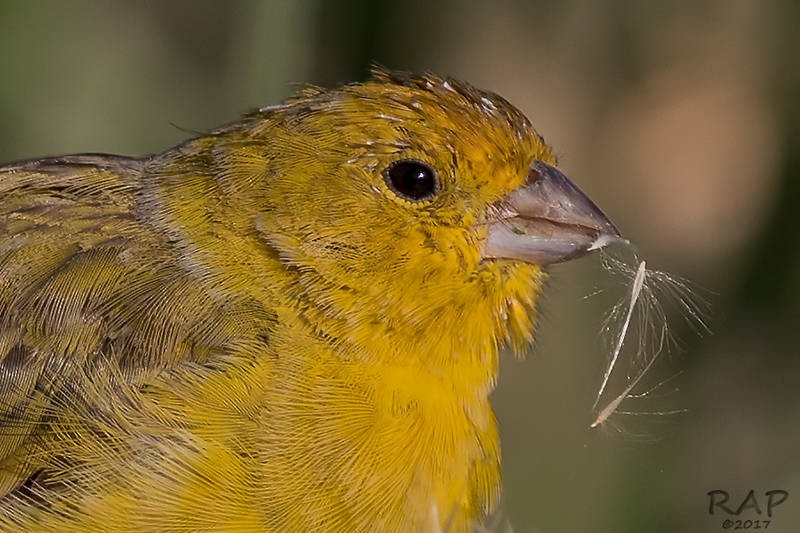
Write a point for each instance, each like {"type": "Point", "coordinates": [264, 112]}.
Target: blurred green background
{"type": "Point", "coordinates": [681, 120]}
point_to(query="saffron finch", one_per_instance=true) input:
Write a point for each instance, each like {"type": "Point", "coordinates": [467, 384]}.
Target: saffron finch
{"type": "Point", "coordinates": [291, 323]}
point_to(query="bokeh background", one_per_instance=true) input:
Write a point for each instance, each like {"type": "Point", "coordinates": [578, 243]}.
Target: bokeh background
{"type": "Point", "coordinates": [682, 120]}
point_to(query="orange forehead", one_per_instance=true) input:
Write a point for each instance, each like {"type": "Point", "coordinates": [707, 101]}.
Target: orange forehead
{"type": "Point", "coordinates": [482, 142]}
{"type": "Point", "coordinates": [478, 133]}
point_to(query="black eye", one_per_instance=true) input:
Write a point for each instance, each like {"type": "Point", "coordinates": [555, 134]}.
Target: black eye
{"type": "Point", "coordinates": [412, 180]}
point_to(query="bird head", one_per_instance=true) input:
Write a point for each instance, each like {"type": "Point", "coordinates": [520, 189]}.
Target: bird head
{"type": "Point", "coordinates": [418, 205]}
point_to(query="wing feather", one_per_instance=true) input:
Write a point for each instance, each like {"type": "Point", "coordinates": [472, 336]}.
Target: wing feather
{"type": "Point", "coordinates": [88, 290]}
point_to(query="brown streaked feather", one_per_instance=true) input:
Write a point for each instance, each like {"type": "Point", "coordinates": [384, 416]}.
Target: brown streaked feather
{"type": "Point", "coordinates": [84, 283]}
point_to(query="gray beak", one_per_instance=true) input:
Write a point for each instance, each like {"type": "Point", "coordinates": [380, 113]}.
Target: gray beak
{"type": "Point", "coordinates": [548, 220]}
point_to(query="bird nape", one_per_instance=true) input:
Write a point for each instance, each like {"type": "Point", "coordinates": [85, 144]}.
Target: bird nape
{"type": "Point", "coordinates": [291, 323]}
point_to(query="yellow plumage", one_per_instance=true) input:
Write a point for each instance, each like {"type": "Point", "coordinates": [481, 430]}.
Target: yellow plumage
{"type": "Point", "coordinates": [254, 331]}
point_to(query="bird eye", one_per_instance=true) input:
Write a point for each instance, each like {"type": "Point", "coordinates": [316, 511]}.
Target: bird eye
{"type": "Point", "coordinates": [412, 180]}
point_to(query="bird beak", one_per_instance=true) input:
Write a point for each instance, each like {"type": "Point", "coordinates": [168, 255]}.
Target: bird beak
{"type": "Point", "coordinates": [547, 220]}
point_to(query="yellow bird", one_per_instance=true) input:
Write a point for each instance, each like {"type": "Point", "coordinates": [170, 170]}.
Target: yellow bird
{"type": "Point", "coordinates": [291, 323]}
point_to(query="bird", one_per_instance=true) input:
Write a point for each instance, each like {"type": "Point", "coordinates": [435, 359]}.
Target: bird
{"type": "Point", "coordinates": [289, 323]}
